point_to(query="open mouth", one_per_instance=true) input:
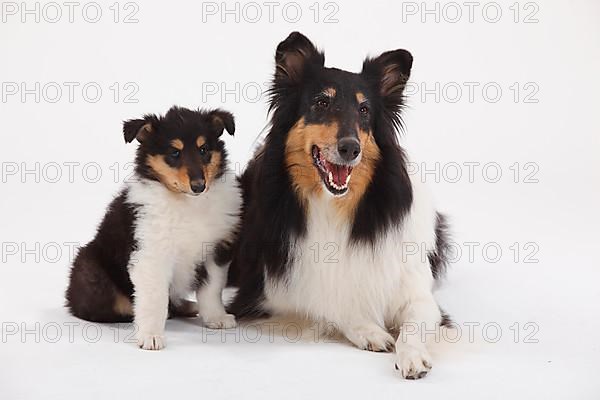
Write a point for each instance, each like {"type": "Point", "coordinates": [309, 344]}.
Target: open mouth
{"type": "Point", "coordinates": [335, 177]}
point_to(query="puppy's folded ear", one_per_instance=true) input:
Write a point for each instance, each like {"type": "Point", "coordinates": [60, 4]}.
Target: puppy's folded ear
{"type": "Point", "coordinates": [293, 56]}
{"type": "Point", "coordinates": [138, 128]}
{"type": "Point", "coordinates": [389, 73]}
{"type": "Point", "coordinates": [223, 120]}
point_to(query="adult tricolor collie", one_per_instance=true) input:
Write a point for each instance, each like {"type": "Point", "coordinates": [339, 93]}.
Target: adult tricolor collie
{"type": "Point", "coordinates": [167, 233]}
{"type": "Point", "coordinates": [329, 206]}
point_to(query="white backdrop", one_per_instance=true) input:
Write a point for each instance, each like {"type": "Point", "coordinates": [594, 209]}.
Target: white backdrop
{"type": "Point", "coordinates": [502, 123]}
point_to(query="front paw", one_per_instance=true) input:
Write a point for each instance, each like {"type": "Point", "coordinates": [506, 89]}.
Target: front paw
{"type": "Point", "coordinates": [412, 362]}
{"type": "Point", "coordinates": [371, 338]}
{"type": "Point", "coordinates": [224, 321]}
{"type": "Point", "coordinates": [151, 342]}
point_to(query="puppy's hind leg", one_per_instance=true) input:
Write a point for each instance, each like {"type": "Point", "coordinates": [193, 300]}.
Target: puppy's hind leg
{"type": "Point", "coordinates": [212, 279]}
{"type": "Point", "coordinates": [183, 308]}
{"type": "Point", "coordinates": [92, 295]}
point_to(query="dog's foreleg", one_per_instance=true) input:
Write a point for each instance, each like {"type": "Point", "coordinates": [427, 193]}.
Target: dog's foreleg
{"type": "Point", "coordinates": [419, 317]}
{"type": "Point", "coordinates": [150, 277]}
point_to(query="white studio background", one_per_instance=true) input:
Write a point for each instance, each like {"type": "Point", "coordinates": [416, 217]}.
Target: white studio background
{"type": "Point", "coordinates": [503, 87]}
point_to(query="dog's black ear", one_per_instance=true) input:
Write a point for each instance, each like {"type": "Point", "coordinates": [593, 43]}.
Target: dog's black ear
{"type": "Point", "coordinates": [389, 73]}
{"type": "Point", "coordinates": [223, 120]}
{"type": "Point", "coordinates": [293, 55]}
{"type": "Point", "coordinates": [138, 128]}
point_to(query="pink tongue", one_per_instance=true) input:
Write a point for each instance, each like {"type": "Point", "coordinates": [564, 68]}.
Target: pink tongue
{"type": "Point", "coordinates": [340, 174]}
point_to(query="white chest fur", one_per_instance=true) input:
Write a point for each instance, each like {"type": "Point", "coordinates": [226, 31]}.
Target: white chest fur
{"type": "Point", "coordinates": [332, 280]}
{"type": "Point", "coordinates": [179, 230]}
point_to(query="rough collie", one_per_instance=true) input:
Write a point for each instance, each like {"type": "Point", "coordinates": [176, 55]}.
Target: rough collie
{"type": "Point", "coordinates": [167, 233]}
{"type": "Point", "coordinates": [329, 206]}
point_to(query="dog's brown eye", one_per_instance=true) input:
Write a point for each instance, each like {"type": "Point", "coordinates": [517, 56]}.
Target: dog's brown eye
{"type": "Point", "coordinates": [323, 103]}
{"type": "Point", "coordinates": [364, 110]}
{"type": "Point", "coordinates": [202, 150]}
{"type": "Point", "coordinates": [175, 153]}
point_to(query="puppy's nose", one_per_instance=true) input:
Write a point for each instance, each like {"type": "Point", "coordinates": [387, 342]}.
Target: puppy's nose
{"type": "Point", "coordinates": [197, 186]}
{"type": "Point", "coordinates": [349, 148]}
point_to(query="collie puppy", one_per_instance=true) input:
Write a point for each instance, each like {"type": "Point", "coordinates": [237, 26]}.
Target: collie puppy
{"type": "Point", "coordinates": [167, 233]}
{"type": "Point", "coordinates": [329, 209]}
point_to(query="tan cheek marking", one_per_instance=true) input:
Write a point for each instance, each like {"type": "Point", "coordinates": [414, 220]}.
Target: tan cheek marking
{"type": "Point", "coordinates": [360, 97]}
{"type": "Point", "coordinates": [362, 175]}
{"type": "Point", "coordinates": [200, 141]}
{"type": "Point", "coordinates": [177, 144]}
{"type": "Point", "coordinates": [211, 170]}
{"type": "Point", "coordinates": [298, 155]}
{"type": "Point", "coordinates": [176, 180]}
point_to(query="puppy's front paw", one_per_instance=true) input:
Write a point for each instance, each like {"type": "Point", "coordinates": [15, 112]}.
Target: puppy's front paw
{"type": "Point", "coordinates": [371, 337]}
{"type": "Point", "coordinates": [224, 321]}
{"type": "Point", "coordinates": [151, 342]}
{"type": "Point", "coordinates": [412, 362]}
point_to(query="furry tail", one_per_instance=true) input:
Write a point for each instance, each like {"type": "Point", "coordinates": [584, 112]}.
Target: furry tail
{"type": "Point", "coordinates": [438, 259]}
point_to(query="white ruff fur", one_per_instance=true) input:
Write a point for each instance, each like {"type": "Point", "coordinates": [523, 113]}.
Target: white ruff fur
{"type": "Point", "coordinates": [361, 292]}
{"type": "Point", "coordinates": [174, 233]}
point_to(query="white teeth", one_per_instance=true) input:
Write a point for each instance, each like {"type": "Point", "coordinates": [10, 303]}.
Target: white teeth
{"type": "Point", "coordinates": [331, 182]}
{"type": "Point", "coordinates": [336, 186]}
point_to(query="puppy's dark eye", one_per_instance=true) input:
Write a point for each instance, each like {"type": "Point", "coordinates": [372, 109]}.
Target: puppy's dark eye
{"type": "Point", "coordinates": [175, 153]}
{"type": "Point", "coordinates": [322, 103]}
{"type": "Point", "coordinates": [202, 150]}
{"type": "Point", "coordinates": [364, 110]}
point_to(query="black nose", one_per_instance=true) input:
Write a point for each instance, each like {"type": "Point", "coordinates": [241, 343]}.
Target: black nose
{"type": "Point", "coordinates": [197, 186]}
{"type": "Point", "coordinates": [349, 148]}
